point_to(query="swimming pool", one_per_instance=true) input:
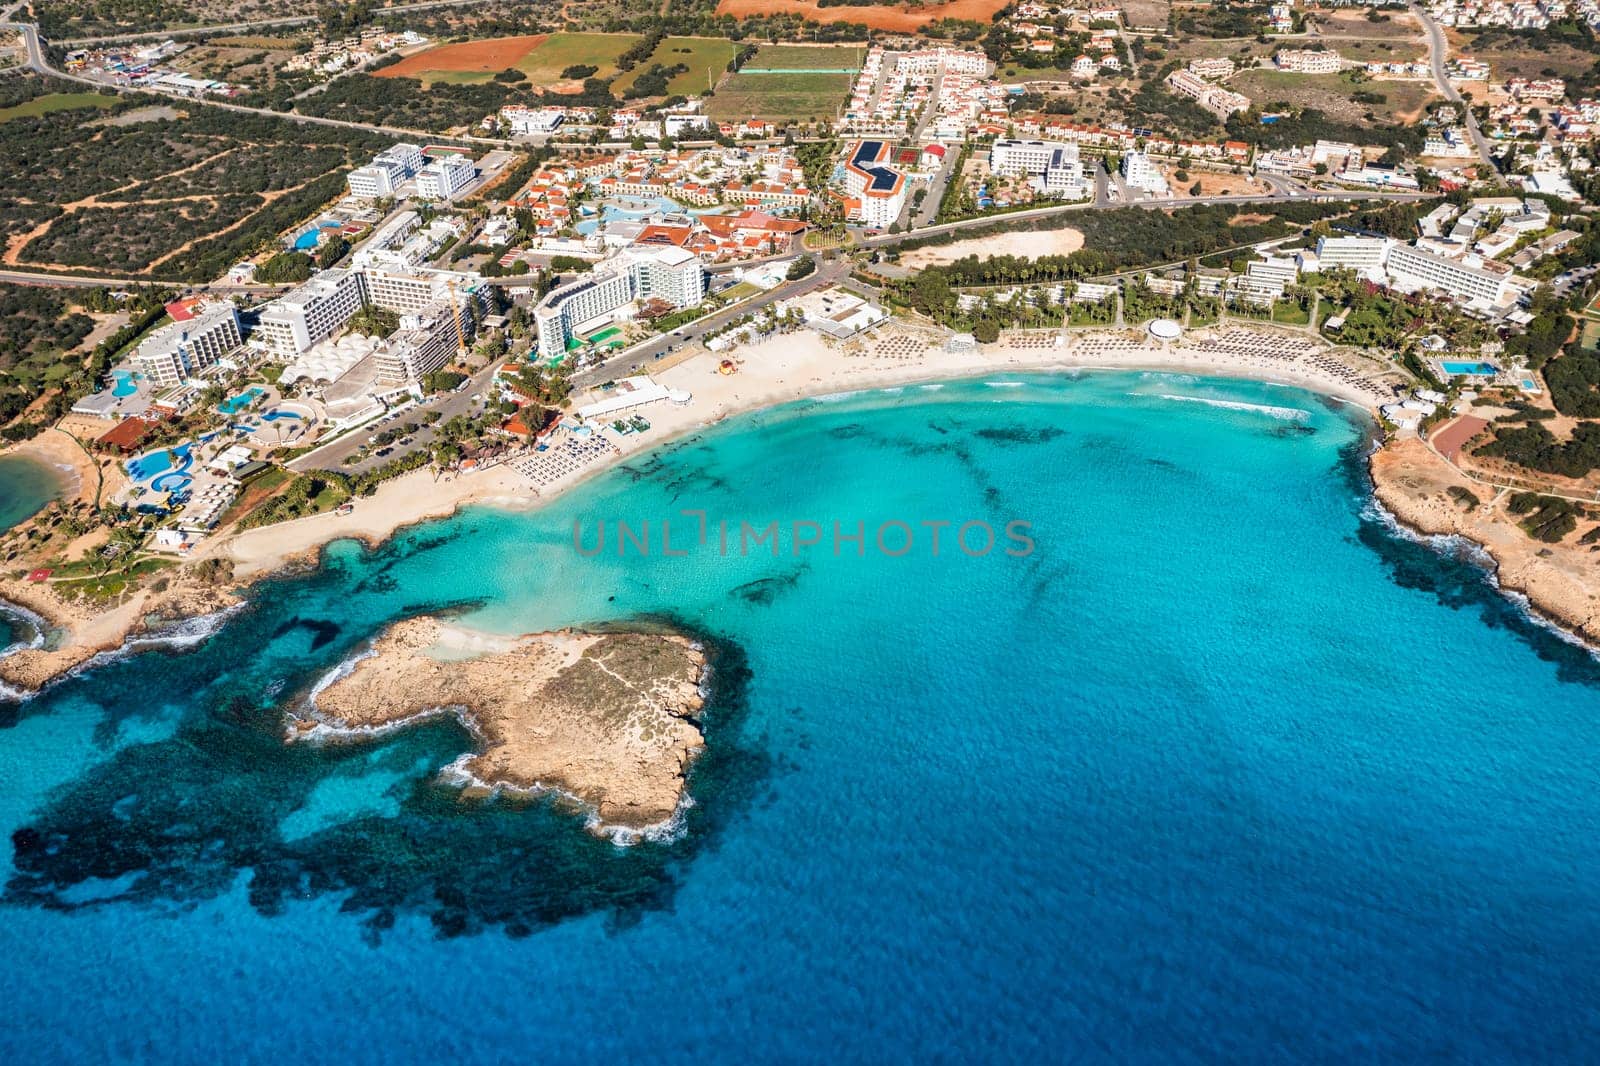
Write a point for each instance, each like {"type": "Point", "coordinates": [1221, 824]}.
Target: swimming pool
{"type": "Point", "coordinates": [1468, 369]}
{"type": "Point", "coordinates": [234, 404]}
{"type": "Point", "coordinates": [124, 383]}
{"type": "Point", "coordinates": [278, 414]}
{"type": "Point", "coordinates": [308, 240]}
{"type": "Point", "coordinates": [166, 469]}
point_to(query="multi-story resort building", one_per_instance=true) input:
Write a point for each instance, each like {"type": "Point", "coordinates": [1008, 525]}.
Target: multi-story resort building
{"type": "Point", "coordinates": [310, 313]}
{"type": "Point", "coordinates": [1309, 61]}
{"type": "Point", "coordinates": [443, 178]}
{"type": "Point", "coordinates": [875, 193]}
{"type": "Point", "coordinates": [424, 343]}
{"type": "Point", "coordinates": [1055, 163]}
{"type": "Point", "coordinates": [1139, 172]}
{"type": "Point", "coordinates": [315, 311]}
{"type": "Point", "coordinates": [1360, 254]}
{"type": "Point", "coordinates": [1468, 280]}
{"type": "Point", "coordinates": [387, 171]}
{"type": "Point", "coordinates": [1213, 68]}
{"type": "Point", "coordinates": [180, 350]}
{"type": "Point", "coordinates": [1214, 98]}
{"type": "Point", "coordinates": [668, 274]}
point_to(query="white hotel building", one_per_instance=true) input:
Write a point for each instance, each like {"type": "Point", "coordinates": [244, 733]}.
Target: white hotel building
{"type": "Point", "coordinates": [1055, 163]}
{"type": "Point", "coordinates": [443, 178]}
{"type": "Point", "coordinates": [310, 313]}
{"type": "Point", "coordinates": [1467, 279]}
{"type": "Point", "coordinates": [1364, 255]}
{"type": "Point", "coordinates": [669, 274]}
{"type": "Point", "coordinates": [178, 351]}
{"type": "Point", "coordinates": [387, 171]}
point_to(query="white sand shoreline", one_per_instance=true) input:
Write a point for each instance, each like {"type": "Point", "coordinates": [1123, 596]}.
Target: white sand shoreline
{"type": "Point", "coordinates": [785, 369]}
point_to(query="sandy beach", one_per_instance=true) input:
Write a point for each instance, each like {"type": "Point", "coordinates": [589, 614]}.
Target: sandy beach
{"type": "Point", "coordinates": [780, 370]}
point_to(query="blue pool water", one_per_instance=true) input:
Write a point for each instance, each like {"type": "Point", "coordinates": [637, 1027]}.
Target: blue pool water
{"type": "Point", "coordinates": [1224, 771]}
{"type": "Point", "coordinates": [159, 468]}
{"type": "Point", "coordinates": [307, 241]}
{"type": "Point", "coordinates": [124, 383]}
{"type": "Point", "coordinates": [278, 415]}
{"type": "Point", "coordinates": [1468, 368]}
{"type": "Point", "coordinates": [234, 404]}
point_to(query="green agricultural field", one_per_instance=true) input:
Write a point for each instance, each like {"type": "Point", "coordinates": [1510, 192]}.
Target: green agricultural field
{"type": "Point", "coordinates": [779, 97]}
{"type": "Point", "coordinates": [808, 57]}
{"type": "Point", "coordinates": [562, 50]}
{"type": "Point", "coordinates": [43, 105]}
{"type": "Point", "coordinates": [706, 57]}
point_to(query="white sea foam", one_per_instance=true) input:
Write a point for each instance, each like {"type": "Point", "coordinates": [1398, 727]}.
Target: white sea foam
{"type": "Point", "coordinates": [1004, 384]}
{"type": "Point", "coordinates": [836, 397]}
{"type": "Point", "coordinates": [1284, 414]}
{"type": "Point", "coordinates": [35, 623]}
{"type": "Point", "coordinates": [181, 634]}
{"type": "Point", "coordinates": [1168, 376]}
{"type": "Point", "coordinates": [1457, 546]}
{"type": "Point", "coordinates": [932, 387]}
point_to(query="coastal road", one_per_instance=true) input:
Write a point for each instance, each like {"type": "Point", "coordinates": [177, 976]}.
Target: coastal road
{"type": "Point", "coordinates": [1438, 54]}
{"type": "Point", "coordinates": [639, 358]}
{"type": "Point", "coordinates": [66, 281]}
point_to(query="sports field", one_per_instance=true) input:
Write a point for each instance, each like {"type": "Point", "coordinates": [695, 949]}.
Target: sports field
{"type": "Point", "coordinates": [779, 97]}
{"type": "Point", "coordinates": [706, 57]}
{"type": "Point", "coordinates": [541, 57]}
{"type": "Point", "coordinates": [43, 105]}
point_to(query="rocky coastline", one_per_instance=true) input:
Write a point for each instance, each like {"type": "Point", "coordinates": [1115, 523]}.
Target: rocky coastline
{"type": "Point", "coordinates": [607, 718]}
{"type": "Point", "coordinates": [1561, 582]}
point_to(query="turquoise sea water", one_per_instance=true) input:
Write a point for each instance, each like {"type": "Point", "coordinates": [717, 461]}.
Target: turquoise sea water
{"type": "Point", "coordinates": [25, 487]}
{"type": "Point", "coordinates": [1222, 771]}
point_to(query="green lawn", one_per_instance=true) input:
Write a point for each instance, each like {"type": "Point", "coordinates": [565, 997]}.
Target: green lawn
{"type": "Point", "coordinates": [706, 57]}
{"type": "Point", "coordinates": [43, 105]}
{"type": "Point", "coordinates": [807, 57]}
{"type": "Point", "coordinates": [779, 97]}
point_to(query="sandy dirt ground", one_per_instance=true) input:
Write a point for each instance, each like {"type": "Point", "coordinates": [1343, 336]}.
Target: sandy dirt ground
{"type": "Point", "coordinates": [471, 57]}
{"type": "Point", "coordinates": [1030, 245]}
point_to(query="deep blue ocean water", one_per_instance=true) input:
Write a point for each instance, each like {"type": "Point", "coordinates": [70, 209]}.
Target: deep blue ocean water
{"type": "Point", "coordinates": [1224, 770]}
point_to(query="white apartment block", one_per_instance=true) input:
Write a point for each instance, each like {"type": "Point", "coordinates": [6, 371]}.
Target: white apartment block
{"type": "Point", "coordinates": [423, 343]}
{"type": "Point", "coordinates": [1309, 61]}
{"type": "Point", "coordinates": [1412, 269]}
{"type": "Point", "coordinates": [311, 313]}
{"type": "Point", "coordinates": [388, 169]}
{"type": "Point", "coordinates": [1139, 172]}
{"type": "Point", "coordinates": [669, 274]}
{"type": "Point", "coordinates": [1055, 163]}
{"type": "Point", "coordinates": [443, 178]}
{"type": "Point", "coordinates": [527, 121]}
{"type": "Point", "coordinates": [1277, 270]}
{"type": "Point", "coordinates": [1364, 255]}
{"type": "Point", "coordinates": [1214, 98]}
{"type": "Point", "coordinates": [1216, 67]}
{"type": "Point", "coordinates": [178, 351]}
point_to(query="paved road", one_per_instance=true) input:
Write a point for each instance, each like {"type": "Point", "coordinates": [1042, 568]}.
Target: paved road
{"type": "Point", "coordinates": [1438, 53]}
{"type": "Point", "coordinates": [28, 277]}
{"type": "Point", "coordinates": [449, 405]}
{"type": "Point", "coordinates": [258, 24]}
{"type": "Point", "coordinates": [639, 358]}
